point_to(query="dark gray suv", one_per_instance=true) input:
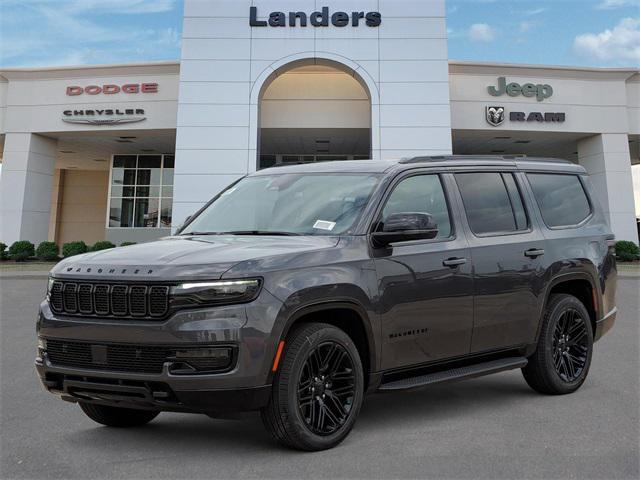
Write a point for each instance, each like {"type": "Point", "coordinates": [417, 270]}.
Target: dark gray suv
{"type": "Point", "coordinates": [299, 289]}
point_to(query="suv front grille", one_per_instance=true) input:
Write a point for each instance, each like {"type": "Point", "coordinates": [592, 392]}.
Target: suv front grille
{"type": "Point", "coordinates": [122, 358]}
{"type": "Point", "coordinates": [138, 358]}
{"type": "Point", "coordinates": [105, 300]}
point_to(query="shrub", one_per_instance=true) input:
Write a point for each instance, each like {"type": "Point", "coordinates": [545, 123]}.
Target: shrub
{"type": "Point", "coordinates": [126, 244]}
{"type": "Point", "coordinates": [47, 251]}
{"type": "Point", "coordinates": [104, 245]}
{"type": "Point", "coordinates": [627, 251]}
{"type": "Point", "coordinates": [3, 251]}
{"type": "Point", "coordinates": [74, 248]}
{"type": "Point", "coordinates": [22, 250]}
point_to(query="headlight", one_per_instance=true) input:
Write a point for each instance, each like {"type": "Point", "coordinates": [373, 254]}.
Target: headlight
{"type": "Point", "coordinates": [213, 293]}
{"type": "Point", "coordinates": [49, 286]}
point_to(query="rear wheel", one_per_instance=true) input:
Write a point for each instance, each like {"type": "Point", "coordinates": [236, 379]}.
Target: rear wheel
{"type": "Point", "coordinates": [116, 416]}
{"type": "Point", "coordinates": [318, 389]}
{"type": "Point", "coordinates": [561, 362]}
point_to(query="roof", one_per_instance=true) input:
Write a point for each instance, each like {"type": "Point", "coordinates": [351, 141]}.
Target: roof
{"type": "Point", "coordinates": [439, 161]}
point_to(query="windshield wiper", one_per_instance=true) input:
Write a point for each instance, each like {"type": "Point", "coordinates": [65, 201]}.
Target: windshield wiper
{"type": "Point", "coordinates": [194, 234]}
{"type": "Point", "coordinates": [262, 232]}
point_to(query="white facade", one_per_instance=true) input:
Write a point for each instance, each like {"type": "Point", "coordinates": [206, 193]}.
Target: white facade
{"type": "Point", "coordinates": [245, 97]}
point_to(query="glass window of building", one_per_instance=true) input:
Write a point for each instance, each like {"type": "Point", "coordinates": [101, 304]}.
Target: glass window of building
{"type": "Point", "coordinates": [141, 191]}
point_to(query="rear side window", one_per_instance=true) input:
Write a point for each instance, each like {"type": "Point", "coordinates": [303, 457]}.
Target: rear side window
{"type": "Point", "coordinates": [562, 199]}
{"type": "Point", "coordinates": [493, 202]}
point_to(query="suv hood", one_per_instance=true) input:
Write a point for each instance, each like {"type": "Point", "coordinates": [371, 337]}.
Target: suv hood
{"type": "Point", "coordinates": [175, 258]}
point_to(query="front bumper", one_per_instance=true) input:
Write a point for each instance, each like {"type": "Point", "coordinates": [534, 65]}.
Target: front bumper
{"type": "Point", "coordinates": [150, 393]}
{"type": "Point", "coordinates": [244, 387]}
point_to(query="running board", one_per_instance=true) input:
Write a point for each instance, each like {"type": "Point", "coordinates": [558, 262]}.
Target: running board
{"type": "Point", "coordinates": [461, 373]}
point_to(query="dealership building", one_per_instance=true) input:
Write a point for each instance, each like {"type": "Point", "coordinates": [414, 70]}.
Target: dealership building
{"type": "Point", "coordinates": [127, 152]}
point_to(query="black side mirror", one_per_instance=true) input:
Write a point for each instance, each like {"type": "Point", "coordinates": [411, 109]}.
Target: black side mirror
{"type": "Point", "coordinates": [405, 227]}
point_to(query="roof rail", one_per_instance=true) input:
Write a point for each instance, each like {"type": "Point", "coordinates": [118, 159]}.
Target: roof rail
{"type": "Point", "coordinates": [492, 158]}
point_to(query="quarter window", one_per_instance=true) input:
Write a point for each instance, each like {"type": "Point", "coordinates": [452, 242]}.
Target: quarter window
{"type": "Point", "coordinates": [421, 194]}
{"type": "Point", "coordinates": [493, 202]}
{"type": "Point", "coordinates": [562, 199]}
{"type": "Point", "coordinates": [141, 191]}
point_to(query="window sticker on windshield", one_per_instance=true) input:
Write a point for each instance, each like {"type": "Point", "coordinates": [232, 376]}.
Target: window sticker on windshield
{"type": "Point", "coordinates": [227, 192]}
{"type": "Point", "coordinates": [324, 225]}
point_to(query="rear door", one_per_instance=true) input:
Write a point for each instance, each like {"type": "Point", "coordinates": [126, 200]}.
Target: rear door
{"type": "Point", "coordinates": [425, 287]}
{"type": "Point", "coordinates": [507, 250]}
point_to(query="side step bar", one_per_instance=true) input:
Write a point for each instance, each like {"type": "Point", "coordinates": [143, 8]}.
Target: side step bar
{"type": "Point", "coordinates": [461, 373]}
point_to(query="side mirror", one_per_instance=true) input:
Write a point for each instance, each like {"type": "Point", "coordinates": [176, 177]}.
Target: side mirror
{"type": "Point", "coordinates": [405, 227]}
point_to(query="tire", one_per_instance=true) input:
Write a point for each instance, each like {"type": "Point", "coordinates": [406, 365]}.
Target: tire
{"type": "Point", "coordinates": [116, 416]}
{"type": "Point", "coordinates": [311, 415]}
{"type": "Point", "coordinates": [561, 362]}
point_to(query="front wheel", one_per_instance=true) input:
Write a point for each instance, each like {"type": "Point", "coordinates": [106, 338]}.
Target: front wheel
{"type": "Point", "coordinates": [116, 416]}
{"type": "Point", "coordinates": [318, 389]}
{"type": "Point", "coordinates": [562, 359]}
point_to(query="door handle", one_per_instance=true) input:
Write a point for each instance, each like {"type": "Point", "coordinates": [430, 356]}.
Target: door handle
{"type": "Point", "coordinates": [534, 252]}
{"type": "Point", "coordinates": [454, 262]}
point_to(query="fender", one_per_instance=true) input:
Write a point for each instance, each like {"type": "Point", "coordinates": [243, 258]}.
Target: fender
{"type": "Point", "coordinates": [321, 298]}
{"type": "Point", "coordinates": [565, 277]}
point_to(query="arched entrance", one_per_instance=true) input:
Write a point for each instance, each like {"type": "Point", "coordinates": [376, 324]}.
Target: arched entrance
{"type": "Point", "coordinates": [312, 110]}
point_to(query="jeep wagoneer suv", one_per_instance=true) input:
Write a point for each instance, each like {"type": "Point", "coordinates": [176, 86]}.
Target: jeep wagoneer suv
{"type": "Point", "coordinates": [297, 290]}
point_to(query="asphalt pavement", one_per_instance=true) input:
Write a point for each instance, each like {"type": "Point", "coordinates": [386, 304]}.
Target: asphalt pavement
{"type": "Point", "coordinates": [494, 427]}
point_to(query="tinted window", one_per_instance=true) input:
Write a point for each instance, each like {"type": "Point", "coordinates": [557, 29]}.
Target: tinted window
{"type": "Point", "coordinates": [490, 207]}
{"type": "Point", "coordinates": [562, 199]}
{"type": "Point", "coordinates": [421, 194]}
{"type": "Point", "coordinates": [516, 201]}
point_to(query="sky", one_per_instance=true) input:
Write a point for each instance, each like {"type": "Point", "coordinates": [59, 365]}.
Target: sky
{"type": "Point", "coordinates": [602, 33]}
{"type": "Point", "coordinates": [562, 32]}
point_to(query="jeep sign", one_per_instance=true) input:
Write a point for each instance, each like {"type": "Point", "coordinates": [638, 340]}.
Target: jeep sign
{"type": "Point", "coordinates": [514, 89]}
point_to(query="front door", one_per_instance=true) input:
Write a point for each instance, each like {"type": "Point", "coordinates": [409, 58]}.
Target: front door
{"type": "Point", "coordinates": [426, 286]}
{"type": "Point", "coordinates": [508, 260]}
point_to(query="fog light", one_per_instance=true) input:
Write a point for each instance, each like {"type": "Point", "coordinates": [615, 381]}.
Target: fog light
{"type": "Point", "coordinates": [42, 344]}
{"type": "Point", "coordinates": [202, 360]}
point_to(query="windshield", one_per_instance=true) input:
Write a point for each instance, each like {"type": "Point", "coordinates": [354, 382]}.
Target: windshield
{"type": "Point", "coordinates": [309, 204]}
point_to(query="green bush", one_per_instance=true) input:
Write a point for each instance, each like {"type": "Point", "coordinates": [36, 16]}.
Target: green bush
{"type": "Point", "coordinates": [47, 251]}
{"type": "Point", "coordinates": [103, 245]}
{"type": "Point", "coordinates": [126, 244]}
{"type": "Point", "coordinates": [3, 251]}
{"type": "Point", "coordinates": [22, 250]}
{"type": "Point", "coordinates": [74, 248]}
{"type": "Point", "coordinates": [627, 251]}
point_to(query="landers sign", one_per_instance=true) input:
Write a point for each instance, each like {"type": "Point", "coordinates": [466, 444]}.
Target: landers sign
{"type": "Point", "coordinates": [317, 19]}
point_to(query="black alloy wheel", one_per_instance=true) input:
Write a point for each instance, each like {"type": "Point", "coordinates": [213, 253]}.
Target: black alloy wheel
{"type": "Point", "coordinates": [561, 362]}
{"type": "Point", "coordinates": [570, 345]}
{"type": "Point", "coordinates": [317, 389]}
{"type": "Point", "coordinates": [326, 388]}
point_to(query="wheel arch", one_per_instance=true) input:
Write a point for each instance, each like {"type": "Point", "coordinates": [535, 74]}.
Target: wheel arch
{"type": "Point", "coordinates": [347, 315]}
{"type": "Point", "coordinates": [581, 285]}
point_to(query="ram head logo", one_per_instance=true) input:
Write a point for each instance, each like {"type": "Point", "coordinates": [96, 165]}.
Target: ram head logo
{"type": "Point", "coordinates": [495, 115]}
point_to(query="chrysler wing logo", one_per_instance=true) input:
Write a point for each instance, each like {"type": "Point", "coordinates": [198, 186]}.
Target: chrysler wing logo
{"type": "Point", "coordinates": [104, 116]}
{"type": "Point", "coordinates": [495, 115]}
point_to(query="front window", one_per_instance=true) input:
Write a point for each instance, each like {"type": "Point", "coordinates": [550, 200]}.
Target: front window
{"type": "Point", "coordinates": [141, 191]}
{"type": "Point", "coordinates": [310, 204]}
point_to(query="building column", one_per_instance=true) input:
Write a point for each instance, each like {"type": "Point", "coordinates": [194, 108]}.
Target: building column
{"type": "Point", "coordinates": [26, 185]}
{"type": "Point", "coordinates": [607, 160]}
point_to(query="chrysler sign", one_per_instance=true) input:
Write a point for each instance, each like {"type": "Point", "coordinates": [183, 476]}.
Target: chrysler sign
{"type": "Point", "coordinates": [320, 18]}
{"type": "Point", "coordinates": [104, 116]}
